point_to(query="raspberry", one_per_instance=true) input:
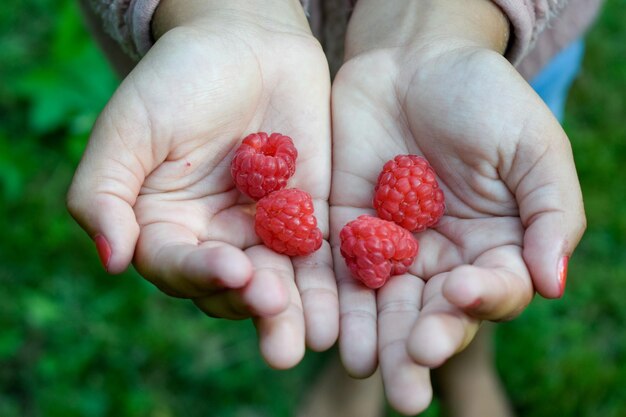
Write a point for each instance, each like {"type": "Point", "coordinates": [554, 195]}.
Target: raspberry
{"type": "Point", "coordinates": [263, 164]}
{"type": "Point", "coordinates": [408, 194]}
{"type": "Point", "coordinates": [376, 249]}
{"type": "Point", "coordinates": [285, 222]}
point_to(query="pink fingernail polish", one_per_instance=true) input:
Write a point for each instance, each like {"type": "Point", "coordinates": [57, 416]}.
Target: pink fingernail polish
{"type": "Point", "coordinates": [562, 274]}
{"type": "Point", "coordinates": [104, 250]}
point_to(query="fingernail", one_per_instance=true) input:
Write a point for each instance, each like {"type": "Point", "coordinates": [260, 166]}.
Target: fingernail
{"type": "Point", "coordinates": [104, 250]}
{"type": "Point", "coordinates": [563, 274]}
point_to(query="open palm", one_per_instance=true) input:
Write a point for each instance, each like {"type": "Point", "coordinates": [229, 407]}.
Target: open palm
{"type": "Point", "coordinates": [155, 180]}
{"type": "Point", "coordinates": [513, 204]}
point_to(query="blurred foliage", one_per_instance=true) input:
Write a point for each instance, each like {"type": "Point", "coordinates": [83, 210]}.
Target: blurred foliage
{"type": "Point", "coordinates": [76, 342]}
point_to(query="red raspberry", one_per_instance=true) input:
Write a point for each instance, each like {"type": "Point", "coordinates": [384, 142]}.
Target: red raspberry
{"type": "Point", "coordinates": [376, 249]}
{"type": "Point", "coordinates": [263, 164]}
{"type": "Point", "coordinates": [408, 194]}
{"type": "Point", "coordinates": [285, 222]}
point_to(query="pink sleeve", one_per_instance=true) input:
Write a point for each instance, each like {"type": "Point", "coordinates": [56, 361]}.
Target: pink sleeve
{"type": "Point", "coordinates": [127, 22]}
{"type": "Point", "coordinates": [528, 19]}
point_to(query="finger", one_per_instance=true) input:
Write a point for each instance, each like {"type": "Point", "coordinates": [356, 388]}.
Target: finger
{"type": "Point", "coordinates": [281, 336]}
{"type": "Point", "coordinates": [357, 321]}
{"type": "Point", "coordinates": [407, 384]}
{"type": "Point", "coordinates": [441, 330]}
{"type": "Point", "coordinates": [107, 182]}
{"type": "Point", "coordinates": [318, 291]}
{"type": "Point", "coordinates": [170, 256]}
{"type": "Point", "coordinates": [550, 200]}
{"type": "Point", "coordinates": [224, 305]}
{"type": "Point", "coordinates": [265, 295]}
{"type": "Point", "coordinates": [357, 308]}
{"type": "Point", "coordinates": [497, 287]}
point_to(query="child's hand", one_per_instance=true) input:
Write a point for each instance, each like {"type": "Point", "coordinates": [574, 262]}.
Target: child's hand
{"type": "Point", "coordinates": [154, 184]}
{"type": "Point", "coordinates": [427, 80]}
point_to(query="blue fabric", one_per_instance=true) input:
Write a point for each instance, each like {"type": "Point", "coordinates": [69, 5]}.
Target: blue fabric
{"type": "Point", "coordinates": [555, 79]}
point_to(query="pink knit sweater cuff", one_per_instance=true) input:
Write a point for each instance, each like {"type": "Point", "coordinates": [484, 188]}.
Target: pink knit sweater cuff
{"type": "Point", "coordinates": [528, 19]}
{"type": "Point", "coordinates": [127, 22]}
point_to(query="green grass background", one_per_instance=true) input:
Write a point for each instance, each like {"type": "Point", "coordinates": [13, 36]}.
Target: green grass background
{"type": "Point", "coordinates": [77, 342]}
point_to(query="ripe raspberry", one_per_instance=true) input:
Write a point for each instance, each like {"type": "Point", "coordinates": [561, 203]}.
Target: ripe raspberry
{"type": "Point", "coordinates": [263, 164]}
{"type": "Point", "coordinates": [408, 194]}
{"type": "Point", "coordinates": [285, 222]}
{"type": "Point", "coordinates": [376, 249]}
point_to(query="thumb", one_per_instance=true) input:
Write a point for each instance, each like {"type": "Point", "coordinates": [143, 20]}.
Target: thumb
{"type": "Point", "coordinates": [108, 179]}
{"type": "Point", "coordinates": [550, 203]}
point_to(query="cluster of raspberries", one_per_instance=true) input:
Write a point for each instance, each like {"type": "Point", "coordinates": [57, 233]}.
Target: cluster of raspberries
{"type": "Point", "coordinates": [284, 218]}
{"type": "Point", "coordinates": [407, 199]}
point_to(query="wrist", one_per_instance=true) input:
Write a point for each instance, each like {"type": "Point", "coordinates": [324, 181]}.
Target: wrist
{"type": "Point", "coordinates": [477, 23]}
{"type": "Point", "coordinates": [285, 14]}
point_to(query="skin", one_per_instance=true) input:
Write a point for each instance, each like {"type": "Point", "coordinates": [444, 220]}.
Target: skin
{"type": "Point", "coordinates": [428, 78]}
{"type": "Point", "coordinates": [155, 180]}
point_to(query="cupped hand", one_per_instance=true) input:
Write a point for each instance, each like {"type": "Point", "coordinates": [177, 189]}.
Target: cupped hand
{"type": "Point", "coordinates": [513, 214]}
{"type": "Point", "coordinates": [154, 184]}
